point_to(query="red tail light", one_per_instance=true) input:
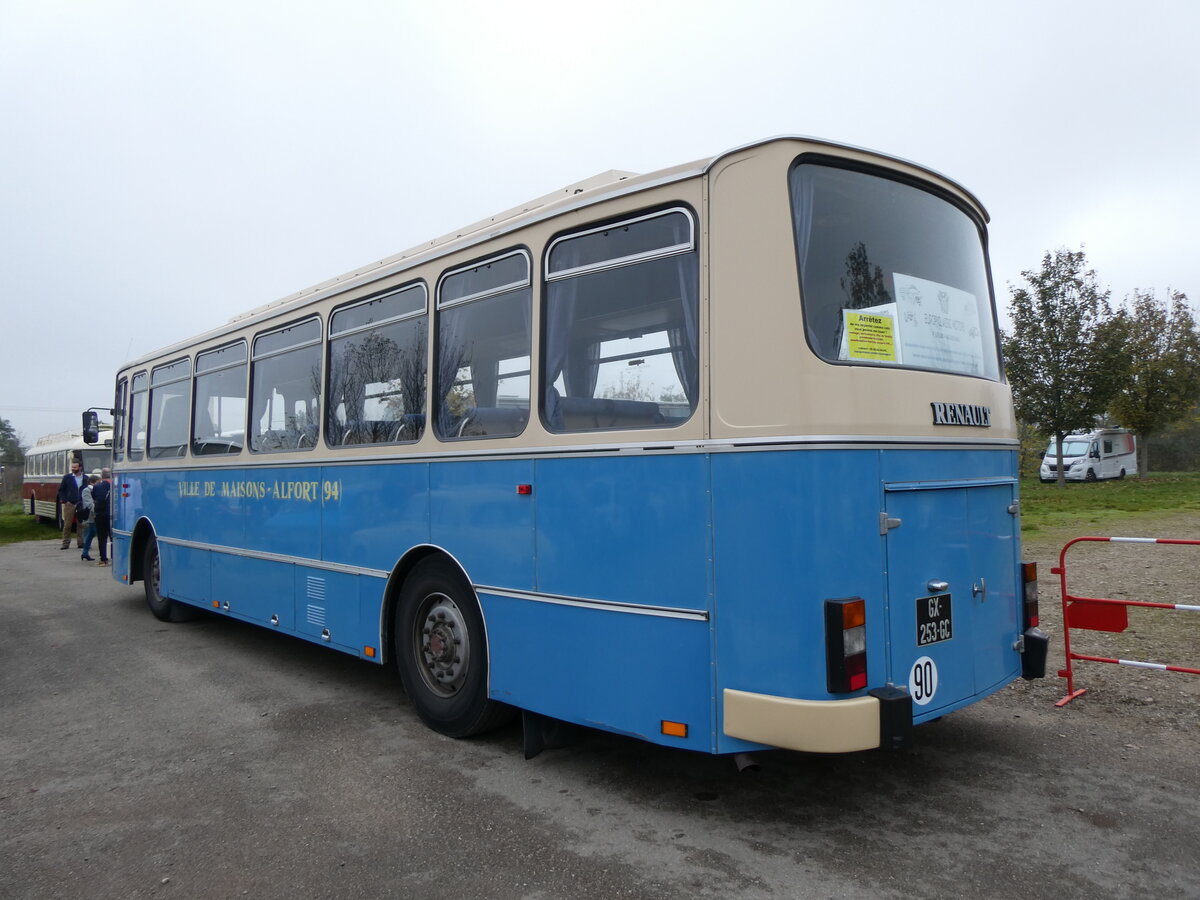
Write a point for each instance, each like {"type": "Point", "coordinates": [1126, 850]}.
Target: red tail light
{"type": "Point", "coordinates": [846, 645]}
{"type": "Point", "coordinates": [1029, 588]}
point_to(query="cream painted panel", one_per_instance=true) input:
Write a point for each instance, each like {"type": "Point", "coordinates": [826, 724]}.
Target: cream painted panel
{"type": "Point", "coordinates": [765, 380]}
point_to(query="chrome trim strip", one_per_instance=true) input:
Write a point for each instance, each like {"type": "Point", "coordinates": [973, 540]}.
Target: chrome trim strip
{"type": "Point", "coordinates": [900, 486]}
{"type": "Point", "coordinates": [567, 451]}
{"type": "Point", "coordinates": [274, 557]}
{"type": "Point", "coordinates": [638, 609]}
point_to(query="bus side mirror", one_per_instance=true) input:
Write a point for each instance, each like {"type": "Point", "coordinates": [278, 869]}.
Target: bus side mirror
{"type": "Point", "coordinates": [91, 427]}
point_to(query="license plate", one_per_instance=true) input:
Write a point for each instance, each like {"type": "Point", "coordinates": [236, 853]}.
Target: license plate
{"type": "Point", "coordinates": [934, 620]}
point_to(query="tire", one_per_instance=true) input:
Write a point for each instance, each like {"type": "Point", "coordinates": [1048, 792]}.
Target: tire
{"type": "Point", "coordinates": [164, 608]}
{"type": "Point", "coordinates": [1091, 475]}
{"type": "Point", "coordinates": [1121, 477]}
{"type": "Point", "coordinates": [441, 651]}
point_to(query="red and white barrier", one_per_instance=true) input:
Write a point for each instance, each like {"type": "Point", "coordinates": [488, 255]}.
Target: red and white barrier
{"type": "Point", "coordinates": [1101, 614]}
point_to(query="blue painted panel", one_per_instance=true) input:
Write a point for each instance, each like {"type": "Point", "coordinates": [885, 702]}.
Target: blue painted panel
{"type": "Point", "coordinates": [372, 630]}
{"type": "Point", "coordinates": [627, 528]}
{"type": "Point", "coordinates": [933, 544]}
{"type": "Point", "coordinates": [946, 465]}
{"type": "Point", "coordinates": [283, 514]}
{"type": "Point", "coordinates": [478, 516]}
{"type": "Point", "coordinates": [186, 573]}
{"type": "Point", "coordinates": [120, 558]}
{"type": "Point", "coordinates": [256, 589]}
{"type": "Point", "coordinates": [328, 601]}
{"type": "Point", "coordinates": [377, 513]}
{"type": "Point", "coordinates": [967, 538]}
{"type": "Point", "coordinates": [617, 671]}
{"type": "Point", "coordinates": [793, 529]}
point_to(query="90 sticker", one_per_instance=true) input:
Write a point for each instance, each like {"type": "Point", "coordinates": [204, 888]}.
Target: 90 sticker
{"type": "Point", "coordinates": [923, 680]}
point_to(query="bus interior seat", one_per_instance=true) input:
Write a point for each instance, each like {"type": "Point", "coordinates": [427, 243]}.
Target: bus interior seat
{"type": "Point", "coordinates": [498, 421]}
{"type": "Point", "coordinates": [407, 427]}
{"type": "Point", "coordinates": [589, 413]}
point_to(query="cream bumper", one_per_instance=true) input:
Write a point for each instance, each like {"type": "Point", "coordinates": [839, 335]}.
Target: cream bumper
{"type": "Point", "coordinates": [814, 726]}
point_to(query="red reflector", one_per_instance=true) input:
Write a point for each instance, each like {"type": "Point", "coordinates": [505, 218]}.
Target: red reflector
{"type": "Point", "coordinates": [856, 671]}
{"type": "Point", "coordinates": [524, 489]}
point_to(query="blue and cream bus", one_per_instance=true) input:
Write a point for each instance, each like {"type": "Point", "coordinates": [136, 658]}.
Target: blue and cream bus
{"type": "Point", "coordinates": [720, 457]}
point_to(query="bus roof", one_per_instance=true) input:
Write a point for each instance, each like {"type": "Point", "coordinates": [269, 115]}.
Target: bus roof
{"type": "Point", "coordinates": [605, 185]}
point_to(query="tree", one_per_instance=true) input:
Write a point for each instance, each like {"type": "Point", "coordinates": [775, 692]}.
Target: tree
{"type": "Point", "coordinates": [1064, 356]}
{"type": "Point", "coordinates": [10, 444]}
{"type": "Point", "coordinates": [1162, 383]}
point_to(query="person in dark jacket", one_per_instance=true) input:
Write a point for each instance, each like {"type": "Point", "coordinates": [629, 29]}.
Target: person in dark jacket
{"type": "Point", "coordinates": [102, 510]}
{"type": "Point", "coordinates": [85, 516]}
{"type": "Point", "coordinates": [70, 493]}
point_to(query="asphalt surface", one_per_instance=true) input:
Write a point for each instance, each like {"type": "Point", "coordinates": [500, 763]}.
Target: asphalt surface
{"type": "Point", "coordinates": [217, 759]}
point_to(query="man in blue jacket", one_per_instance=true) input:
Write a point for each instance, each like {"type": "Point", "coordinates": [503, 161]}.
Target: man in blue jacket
{"type": "Point", "coordinates": [70, 492]}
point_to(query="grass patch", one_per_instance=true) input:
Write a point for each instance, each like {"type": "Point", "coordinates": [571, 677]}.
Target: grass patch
{"type": "Point", "coordinates": [1047, 507]}
{"type": "Point", "coordinates": [16, 526]}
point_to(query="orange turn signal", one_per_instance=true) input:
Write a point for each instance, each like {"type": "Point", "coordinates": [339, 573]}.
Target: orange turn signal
{"type": "Point", "coordinates": [674, 729]}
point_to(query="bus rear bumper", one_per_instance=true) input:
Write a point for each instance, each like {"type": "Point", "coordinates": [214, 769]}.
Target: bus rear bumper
{"type": "Point", "coordinates": [881, 719]}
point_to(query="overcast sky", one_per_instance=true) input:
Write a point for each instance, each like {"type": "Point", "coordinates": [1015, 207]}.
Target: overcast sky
{"type": "Point", "coordinates": [168, 164]}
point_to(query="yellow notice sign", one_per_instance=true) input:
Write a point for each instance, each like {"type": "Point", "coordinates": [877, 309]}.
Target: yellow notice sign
{"type": "Point", "coordinates": [870, 337]}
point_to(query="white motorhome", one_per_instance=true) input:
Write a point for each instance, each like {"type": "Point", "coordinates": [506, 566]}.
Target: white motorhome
{"type": "Point", "coordinates": [1093, 455]}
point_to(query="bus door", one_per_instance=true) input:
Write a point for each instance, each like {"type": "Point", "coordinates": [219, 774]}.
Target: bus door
{"type": "Point", "coordinates": [952, 589]}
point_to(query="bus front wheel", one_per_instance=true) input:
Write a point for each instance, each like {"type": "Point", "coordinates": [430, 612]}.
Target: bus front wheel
{"type": "Point", "coordinates": [441, 651]}
{"type": "Point", "coordinates": [164, 608]}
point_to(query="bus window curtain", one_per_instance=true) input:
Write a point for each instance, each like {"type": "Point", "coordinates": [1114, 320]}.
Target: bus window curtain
{"type": "Point", "coordinates": [562, 298]}
{"type": "Point", "coordinates": [451, 354]}
{"type": "Point", "coordinates": [685, 340]}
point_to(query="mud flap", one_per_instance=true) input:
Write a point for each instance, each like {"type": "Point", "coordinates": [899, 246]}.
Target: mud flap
{"type": "Point", "coordinates": [895, 717]}
{"type": "Point", "coordinates": [1033, 656]}
{"type": "Point", "coordinates": [545, 733]}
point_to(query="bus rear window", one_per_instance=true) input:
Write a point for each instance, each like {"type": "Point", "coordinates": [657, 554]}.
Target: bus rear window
{"type": "Point", "coordinates": [890, 274]}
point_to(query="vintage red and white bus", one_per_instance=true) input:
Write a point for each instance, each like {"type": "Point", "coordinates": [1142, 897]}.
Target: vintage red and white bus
{"type": "Point", "coordinates": [50, 459]}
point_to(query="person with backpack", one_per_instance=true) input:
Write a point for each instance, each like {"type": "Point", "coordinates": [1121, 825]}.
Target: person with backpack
{"type": "Point", "coordinates": [102, 510]}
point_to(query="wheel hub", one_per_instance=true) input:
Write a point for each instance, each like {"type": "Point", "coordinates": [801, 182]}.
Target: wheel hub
{"type": "Point", "coordinates": [445, 648]}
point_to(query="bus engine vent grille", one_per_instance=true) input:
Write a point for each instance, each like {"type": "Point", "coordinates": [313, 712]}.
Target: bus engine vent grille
{"type": "Point", "coordinates": [316, 589]}
{"type": "Point", "coordinates": [316, 615]}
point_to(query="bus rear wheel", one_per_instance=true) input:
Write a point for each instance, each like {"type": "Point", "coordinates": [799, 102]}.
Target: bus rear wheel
{"type": "Point", "coordinates": [164, 608]}
{"type": "Point", "coordinates": [440, 649]}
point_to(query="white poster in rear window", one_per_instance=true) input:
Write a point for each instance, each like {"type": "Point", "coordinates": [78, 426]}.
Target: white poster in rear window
{"type": "Point", "coordinates": [939, 326]}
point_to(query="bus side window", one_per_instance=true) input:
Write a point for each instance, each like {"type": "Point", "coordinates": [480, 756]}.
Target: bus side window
{"type": "Point", "coordinates": [621, 337]}
{"type": "Point", "coordinates": [483, 349]}
{"type": "Point", "coordinates": [285, 390]}
{"type": "Point", "coordinates": [170, 403]}
{"type": "Point", "coordinates": [139, 414]}
{"type": "Point", "coordinates": [119, 420]}
{"type": "Point", "coordinates": [377, 365]}
{"type": "Point", "coordinates": [219, 418]}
